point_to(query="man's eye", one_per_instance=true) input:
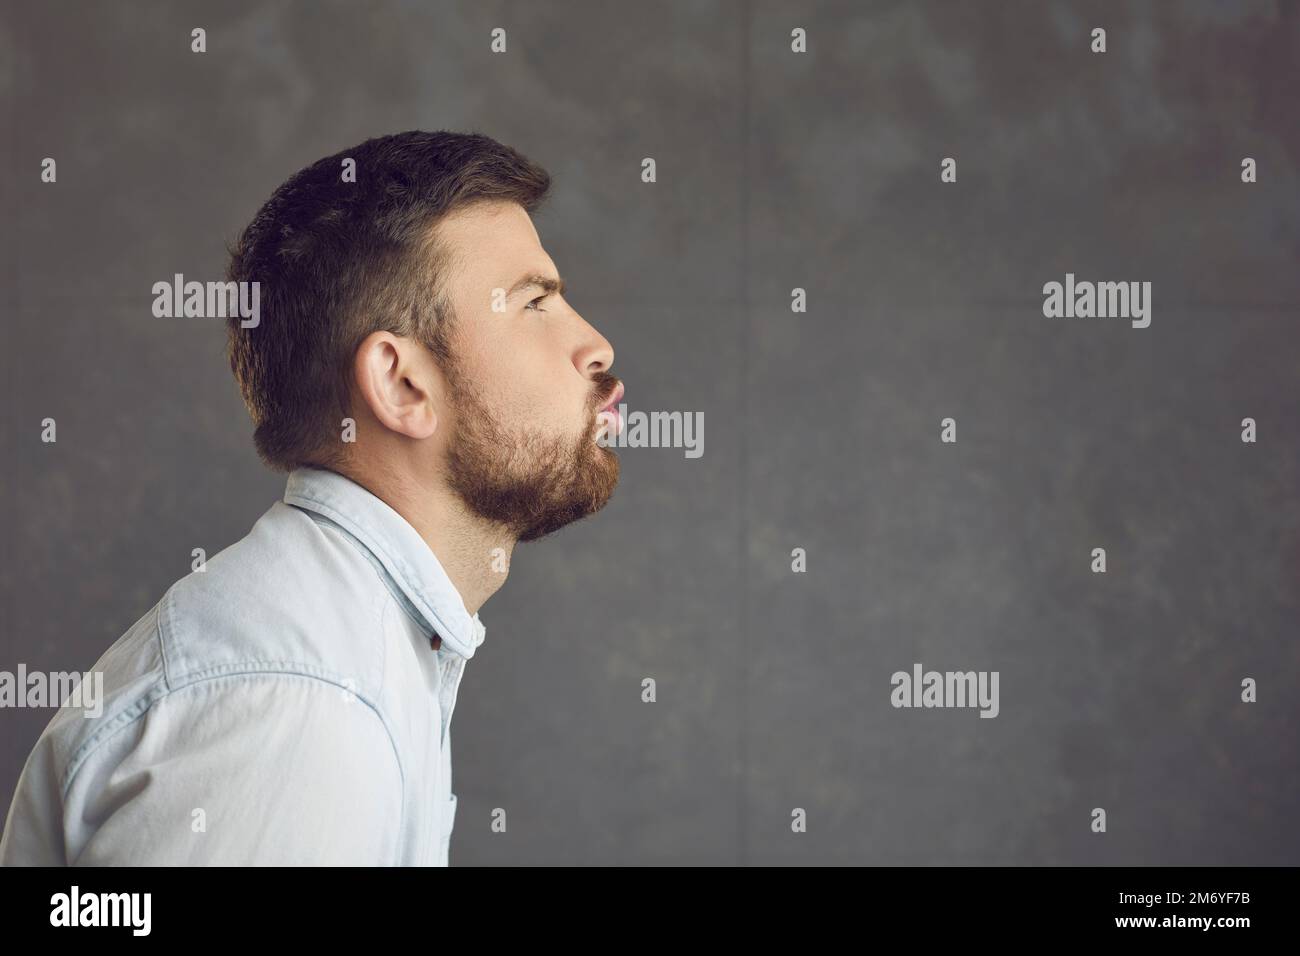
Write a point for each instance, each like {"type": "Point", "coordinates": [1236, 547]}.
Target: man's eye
{"type": "Point", "coordinates": [534, 302]}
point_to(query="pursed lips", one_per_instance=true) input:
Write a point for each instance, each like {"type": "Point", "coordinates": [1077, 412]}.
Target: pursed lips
{"type": "Point", "coordinates": [609, 411]}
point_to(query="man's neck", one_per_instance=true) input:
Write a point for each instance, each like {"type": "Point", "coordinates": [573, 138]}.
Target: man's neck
{"type": "Point", "coordinates": [474, 553]}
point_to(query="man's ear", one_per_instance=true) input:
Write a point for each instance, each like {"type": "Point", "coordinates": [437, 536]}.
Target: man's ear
{"type": "Point", "coordinates": [396, 380]}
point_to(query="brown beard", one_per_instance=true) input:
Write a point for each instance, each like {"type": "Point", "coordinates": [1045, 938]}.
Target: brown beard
{"type": "Point", "coordinates": [529, 483]}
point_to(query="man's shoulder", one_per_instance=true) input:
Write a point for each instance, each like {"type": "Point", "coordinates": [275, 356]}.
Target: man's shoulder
{"type": "Point", "coordinates": [290, 600]}
{"type": "Point", "coordinates": [292, 594]}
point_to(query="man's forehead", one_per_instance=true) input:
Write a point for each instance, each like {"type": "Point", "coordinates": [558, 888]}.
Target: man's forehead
{"type": "Point", "coordinates": [489, 225]}
{"type": "Point", "coordinates": [495, 243]}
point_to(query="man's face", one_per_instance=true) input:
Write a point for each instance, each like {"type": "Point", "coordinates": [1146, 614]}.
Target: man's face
{"type": "Point", "coordinates": [526, 385]}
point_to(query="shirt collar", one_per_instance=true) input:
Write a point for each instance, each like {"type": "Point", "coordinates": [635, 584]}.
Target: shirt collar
{"type": "Point", "coordinates": [410, 563]}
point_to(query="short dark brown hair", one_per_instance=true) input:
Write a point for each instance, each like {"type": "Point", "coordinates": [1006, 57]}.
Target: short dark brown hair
{"type": "Point", "coordinates": [337, 261]}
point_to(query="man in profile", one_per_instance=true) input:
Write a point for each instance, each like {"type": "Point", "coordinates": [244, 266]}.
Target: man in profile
{"type": "Point", "coordinates": [418, 374]}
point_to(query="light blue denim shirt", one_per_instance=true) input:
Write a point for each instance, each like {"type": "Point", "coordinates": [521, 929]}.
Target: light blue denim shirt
{"type": "Point", "coordinates": [285, 705]}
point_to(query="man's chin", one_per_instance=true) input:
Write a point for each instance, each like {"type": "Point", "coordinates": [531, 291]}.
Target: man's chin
{"type": "Point", "coordinates": [530, 486]}
{"type": "Point", "coordinates": [589, 493]}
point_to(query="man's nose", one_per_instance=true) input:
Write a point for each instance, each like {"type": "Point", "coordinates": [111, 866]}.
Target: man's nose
{"type": "Point", "coordinates": [594, 354]}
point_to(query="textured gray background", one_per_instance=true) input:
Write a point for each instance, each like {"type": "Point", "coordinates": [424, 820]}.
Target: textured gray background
{"type": "Point", "coordinates": [822, 430]}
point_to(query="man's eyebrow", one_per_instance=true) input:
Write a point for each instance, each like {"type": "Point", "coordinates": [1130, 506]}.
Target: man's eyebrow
{"type": "Point", "coordinates": [536, 279]}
